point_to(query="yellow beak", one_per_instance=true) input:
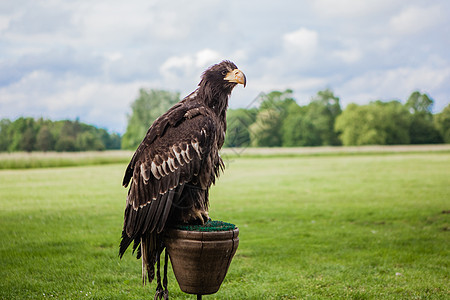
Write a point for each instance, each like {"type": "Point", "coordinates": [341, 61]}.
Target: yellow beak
{"type": "Point", "coordinates": [236, 76]}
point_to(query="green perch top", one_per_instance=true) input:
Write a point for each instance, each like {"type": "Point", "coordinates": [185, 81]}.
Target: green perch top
{"type": "Point", "coordinates": [208, 226]}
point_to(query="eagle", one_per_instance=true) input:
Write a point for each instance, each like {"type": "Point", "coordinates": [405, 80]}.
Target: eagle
{"type": "Point", "coordinates": [178, 160]}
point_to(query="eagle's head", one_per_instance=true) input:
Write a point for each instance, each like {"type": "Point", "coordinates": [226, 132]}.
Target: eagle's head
{"type": "Point", "coordinates": [223, 76]}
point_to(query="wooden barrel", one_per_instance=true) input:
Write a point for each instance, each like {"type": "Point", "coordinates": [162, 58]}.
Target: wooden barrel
{"type": "Point", "coordinates": [200, 260]}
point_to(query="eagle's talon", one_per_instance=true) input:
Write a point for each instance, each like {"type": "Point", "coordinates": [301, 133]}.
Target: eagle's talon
{"type": "Point", "coordinates": [197, 217]}
{"type": "Point", "coordinates": [205, 217]}
{"type": "Point", "coordinates": [159, 293]}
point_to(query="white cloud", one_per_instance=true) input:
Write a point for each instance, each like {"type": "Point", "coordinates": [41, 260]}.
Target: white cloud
{"type": "Point", "coordinates": [4, 22]}
{"type": "Point", "coordinates": [395, 83]}
{"type": "Point", "coordinates": [383, 44]}
{"type": "Point", "coordinates": [302, 41]}
{"type": "Point", "coordinates": [114, 56]}
{"type": "Point", "coordinates": [350, 55]}
{"type": "Point", "coordinates": [40, 94]}
{"type": "Point", "coordinates": [89, 59]}
{"type": "Point", "coordinates": [414, 19]}
{"type": "Point", "coordinates": [176, 68]}
{"type": "Point", "coordinates": [351, 8]}
{"type": "Point", "coordinates": [206, 57]}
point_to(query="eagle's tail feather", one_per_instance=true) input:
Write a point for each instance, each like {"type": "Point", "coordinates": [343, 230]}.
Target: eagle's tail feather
{"type": "Point", "coordinates": [124, 243]}
{"type": "Point", "coordinates": [151, 245]}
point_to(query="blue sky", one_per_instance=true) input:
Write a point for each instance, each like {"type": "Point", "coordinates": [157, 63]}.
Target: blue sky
{"type": "Point", "coordinates": [88, 59]}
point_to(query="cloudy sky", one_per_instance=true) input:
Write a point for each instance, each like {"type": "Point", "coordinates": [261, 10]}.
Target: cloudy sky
{"type": "Point", "coordinates": [88, 59]}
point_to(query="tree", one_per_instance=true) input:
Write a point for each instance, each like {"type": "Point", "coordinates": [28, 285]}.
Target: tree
{"type": "Point", "coordinates": [313, 125]}
{"type": "Point", "coordinates": [266, 131]}
{"type": "Point", "coordinates": [296, 129]}
{"type": "Point", "coordinates": [145, 110]}
{"type": "Point", "coordinates": [322, 113]}
{"type": "Point", "coordinates": [378, 123]}
{"type": "Point", "coordinates": [418, 102]}
{"type": "Point", "coordinates": [442, 123]}
{"type": "Point", "coordinates": [5, 134]}
{"type": "Point", "coordinates": [66, 140]}
{"type": "Point", "coordinates": [277, 100]}
{"type": "Point", "coordinates": [65, 144]}
{"type": "Point", "coordinates": [44, 139]}
{"type": "Point", "coordinates": [88, 141]}
{"type": "Point", "coordinates": [422, 130]}
{"type": "Point", "coordinates": [28, 140]}
{"type": "Point", "coordinates": [350, 123]}
{"type": "Point", "coordinates": [17, 129]}
{"type": "Point", "coordinates": [115, 141]}
{"type": "Point", "coordinates": [111, 141]}
{"type": "Point", "coordinates": [28, 134]}
{"type": "Point", "coordinates": [238, 124]}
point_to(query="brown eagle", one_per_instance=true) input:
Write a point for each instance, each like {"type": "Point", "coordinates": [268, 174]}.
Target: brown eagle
{"type": "Point", "coordinates": [175, 165]}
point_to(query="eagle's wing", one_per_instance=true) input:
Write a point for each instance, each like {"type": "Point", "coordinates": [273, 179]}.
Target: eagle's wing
{"type": "Point", "coordinates": [176, 147]}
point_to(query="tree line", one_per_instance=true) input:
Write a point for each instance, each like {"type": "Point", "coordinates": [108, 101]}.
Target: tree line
{"type": "Point", "coordinates": [277, 120]}
{"type": "Point", "coordinates": [29, 134]}
{"type": "Point", "coordinates": [274, 119]}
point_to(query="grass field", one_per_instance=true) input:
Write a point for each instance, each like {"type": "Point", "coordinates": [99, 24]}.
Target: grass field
{"type": "Point", "coordinates": [23, 160]}
{"type": "Point", "coordinates": [311, 227]}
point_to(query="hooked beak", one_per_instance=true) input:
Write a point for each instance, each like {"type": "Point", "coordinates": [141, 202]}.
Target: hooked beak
{"type": "Point", "coordinates": [236, 76]}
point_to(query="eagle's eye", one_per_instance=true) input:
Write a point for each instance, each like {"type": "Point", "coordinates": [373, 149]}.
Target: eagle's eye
{"type": "Point", "coordinates": [224, 72]}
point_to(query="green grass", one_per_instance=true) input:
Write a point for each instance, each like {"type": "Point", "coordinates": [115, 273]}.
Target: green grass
{"type": "Point", "coordinates": [311, 227]}
{"type": "Point", "coordinates": [23, 160]}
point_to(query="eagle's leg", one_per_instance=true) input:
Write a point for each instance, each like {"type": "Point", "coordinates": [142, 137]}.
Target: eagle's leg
{"type": "Point", "coordinates": [197, 216]}
{"type": "Point", "coordinates": [201, 215]}
{"type": "Point", "coordinates": [191, 206]}
{"type": "Point", "coordinates": [166, 260]}
{"type": "Point", "coordinates": [159, 288]}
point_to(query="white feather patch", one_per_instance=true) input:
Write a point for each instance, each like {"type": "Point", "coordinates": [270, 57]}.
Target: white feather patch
{"type": "Point", "coordinates": [195, 145]}
{"type": "Point", "coordinates": [144, 173]}
{"type": "Point", "coordinates": [160, 171]}
{"type": "Point", "coordinates": [171, 164]}
{"type": "Point", "coordinates": [164, 167]}
{"type": "Point", "coordinates": [193, 95]}
{"type": "Point", "coordinates": [183, 154]}
{"type": "Point", "coordinates": [177, 155]}
{"type": "Point", "coordinates": [187, 153]}
{"type": "Point", "coordinates": [155, 170]}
